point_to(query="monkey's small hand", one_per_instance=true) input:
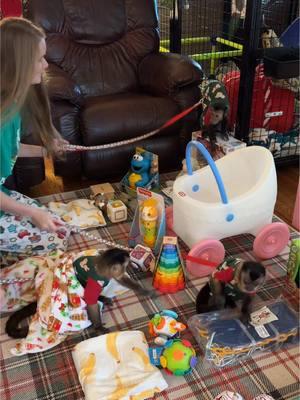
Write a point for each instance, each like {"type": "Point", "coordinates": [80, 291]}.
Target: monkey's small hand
{"type": "Point", "coordinates": [107, 301]}
{"type": "Point", "coordinates": [225, 136]}
{"type": "Point", "coordinates": [245, 318]}
{"type": "Point", "coordinates": [153, 294]}
{"type": "Point", "coordinates": [219, 302]}
{"type": "Point", "coordinates": [101, 328]}
{"type": "Point", "coordinates": [149, 293]}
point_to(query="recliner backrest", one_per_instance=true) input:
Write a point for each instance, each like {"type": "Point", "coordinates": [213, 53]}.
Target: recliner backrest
{"type": "Point", "coordinates": [98, 42]}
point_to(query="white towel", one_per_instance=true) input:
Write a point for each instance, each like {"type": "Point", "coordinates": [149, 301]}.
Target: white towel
{"type": "Point", "coordinates": [116, 366]}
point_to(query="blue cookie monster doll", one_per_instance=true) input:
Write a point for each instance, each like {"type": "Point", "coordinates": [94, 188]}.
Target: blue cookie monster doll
{"type": "Point", "coordinates": [140, 170]}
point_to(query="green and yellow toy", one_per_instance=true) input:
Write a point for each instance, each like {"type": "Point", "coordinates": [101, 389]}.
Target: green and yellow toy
{"type": "Point", "coordinates": [293, 265]}
{"type": "Point", "coordinates": [177, 357]}
{"type": "Point", "coordinates": [148, 221]}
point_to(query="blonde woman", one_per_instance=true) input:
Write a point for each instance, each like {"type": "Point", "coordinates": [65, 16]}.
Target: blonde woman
{"type": "Point", "coordinates": [25, 226]}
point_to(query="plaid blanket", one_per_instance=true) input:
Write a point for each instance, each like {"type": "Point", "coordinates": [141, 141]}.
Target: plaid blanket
{"type": "Point", "coordinates": [51, 375]}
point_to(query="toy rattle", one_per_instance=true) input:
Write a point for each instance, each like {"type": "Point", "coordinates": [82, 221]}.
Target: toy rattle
{"type": "Point", "coordinates": [165, 326]}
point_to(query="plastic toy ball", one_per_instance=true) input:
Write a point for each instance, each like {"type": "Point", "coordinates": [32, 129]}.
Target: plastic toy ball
{"type": "Point", "coordinates": [178, 357]}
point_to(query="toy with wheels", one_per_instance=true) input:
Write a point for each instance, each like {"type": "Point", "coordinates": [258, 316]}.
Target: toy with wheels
{"type": "Point", "coordinates": [164, 326]}
{"type": "Point", "coordinates": [204, 212]}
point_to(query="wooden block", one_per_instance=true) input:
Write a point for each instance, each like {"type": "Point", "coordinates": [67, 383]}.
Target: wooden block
{"type": "Point", "coordinates": [116, 211]}
{"type": "Point", "coordinates": [105, 188]}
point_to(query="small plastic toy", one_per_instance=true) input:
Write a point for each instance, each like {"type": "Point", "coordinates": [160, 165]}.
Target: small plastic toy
{"type": "Point", "coordinates": [143, 258]}
{"type": "Point", "coordinates": [148, 221]}
{"type": "Point", "coordinates": [116, 211]}
{"type": "Point", "coordinates": [143, 172]}
{"type": "Point", "coordinates": [168, 276]}
{"type": "Point", "coordinates": [177, 357]}
{"type": "Point", "coordinates": [100, 201]}
{"type": "Point", "coordinates": [140, 170]}
{"type": "Point", "coordinates": [165, 326]}
{"type": "Point", "coordinates": [200, 219]}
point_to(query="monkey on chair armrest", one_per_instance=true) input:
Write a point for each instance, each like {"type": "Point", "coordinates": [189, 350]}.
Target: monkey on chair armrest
{"type": "Point", "coordinates": [94, 273]}
{"type": "Point", "coordinates": [232, 282]}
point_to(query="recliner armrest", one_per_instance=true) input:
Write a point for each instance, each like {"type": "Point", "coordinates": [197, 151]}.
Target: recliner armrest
{"type": "Point", "coordinates": [164, 74]}
{"type": "Point", "coordinates": [61, 86]}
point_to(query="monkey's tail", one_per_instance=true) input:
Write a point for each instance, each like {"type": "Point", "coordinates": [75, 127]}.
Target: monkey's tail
{"type": "Point", "coordinates": [12, 325]}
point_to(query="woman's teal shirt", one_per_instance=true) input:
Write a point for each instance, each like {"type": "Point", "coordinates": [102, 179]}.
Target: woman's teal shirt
{"type": "Point", "coordinates": [9, 147]}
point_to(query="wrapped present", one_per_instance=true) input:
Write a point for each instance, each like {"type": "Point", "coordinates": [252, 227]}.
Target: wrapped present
{"type": "Point", "coordinates": [222, 147]}
{"type": "Point", "coordinates": [226, 340]}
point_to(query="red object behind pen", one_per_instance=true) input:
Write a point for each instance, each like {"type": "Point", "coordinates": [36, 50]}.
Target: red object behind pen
{"type": "Point", "coordinates": [11, 8]}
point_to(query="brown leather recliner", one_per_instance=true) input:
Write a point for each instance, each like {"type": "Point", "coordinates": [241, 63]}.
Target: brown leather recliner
{"type": "Point", "coordinates": [108, 82]}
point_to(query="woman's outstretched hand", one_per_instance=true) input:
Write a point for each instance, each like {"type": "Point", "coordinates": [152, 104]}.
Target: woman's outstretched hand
{"type": "Point", "coordinates": [45, 221]}
{"type": "Point", "coordinates": [59, 143]}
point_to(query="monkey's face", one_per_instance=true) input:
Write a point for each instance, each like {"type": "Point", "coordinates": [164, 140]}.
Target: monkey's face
{"type": "Point", "coordinates": [216, 116]}
{"type": "Point", "coordinates": [250, 282]}
{"type": "Point", "coordinates": [117, 271]}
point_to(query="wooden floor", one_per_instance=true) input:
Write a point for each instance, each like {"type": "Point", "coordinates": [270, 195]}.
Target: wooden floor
{"type": "Point", "coordinates": [288, 180]}
{"type": "Point", "coordinates": [287, 176]}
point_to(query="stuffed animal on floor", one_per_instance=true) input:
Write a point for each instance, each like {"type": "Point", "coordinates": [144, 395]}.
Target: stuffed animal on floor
{"type": "Point", "coordinates": [139, 175]}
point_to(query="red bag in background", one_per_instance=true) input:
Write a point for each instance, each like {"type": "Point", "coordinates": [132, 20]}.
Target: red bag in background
{"type": "Point", "coordinates": [11, 8]}
{"type": "Point", "coordinates": [267, 98]}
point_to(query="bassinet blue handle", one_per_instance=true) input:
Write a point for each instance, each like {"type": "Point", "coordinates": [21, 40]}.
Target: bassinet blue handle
{"type": "Point", "coordinates": [211, 163]}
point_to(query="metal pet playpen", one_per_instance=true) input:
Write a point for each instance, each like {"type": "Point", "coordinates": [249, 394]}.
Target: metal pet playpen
{"type": "Point", "coordinates": [253, 49]}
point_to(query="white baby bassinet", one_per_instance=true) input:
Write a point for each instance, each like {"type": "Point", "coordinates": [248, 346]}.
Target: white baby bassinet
{"type": "Point", "coordinates": [235, 195]}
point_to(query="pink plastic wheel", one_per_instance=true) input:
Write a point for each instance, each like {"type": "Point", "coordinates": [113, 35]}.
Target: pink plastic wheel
{"type": "Point", "coordinates": [169, 221]}
{"type": "Point", "coordinates": [271, 240]}
{"type": "Point", "coordinates": [204, 257]}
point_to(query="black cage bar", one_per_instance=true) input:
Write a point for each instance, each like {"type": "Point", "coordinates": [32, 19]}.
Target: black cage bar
{"type": "Point", "coordinates": [237, 42]}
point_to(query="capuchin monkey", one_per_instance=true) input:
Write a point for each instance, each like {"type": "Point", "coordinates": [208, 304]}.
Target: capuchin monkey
{"type": "Point", "coordinates": [112, 263]}
{"type": "Point", "coordinates": [217, 124]}
{"type": "Point", "coordinates": [233, 281]}
{"type": "Point", "coordinates": [94, 273]}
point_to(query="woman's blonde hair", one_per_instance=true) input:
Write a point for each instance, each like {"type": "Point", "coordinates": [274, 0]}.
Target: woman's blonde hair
{"type": "Point", "coordinates": [19, 43]}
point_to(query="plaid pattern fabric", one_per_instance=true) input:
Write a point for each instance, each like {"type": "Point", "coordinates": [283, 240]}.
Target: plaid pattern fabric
{"type": "Point", "coordinates": [51, 375]}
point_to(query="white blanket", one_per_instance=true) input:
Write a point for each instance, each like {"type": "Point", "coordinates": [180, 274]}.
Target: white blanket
{"type": "Point", "coordinates": [81, 213]}
{"type": "Point", "coordinates": [116, 366]}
